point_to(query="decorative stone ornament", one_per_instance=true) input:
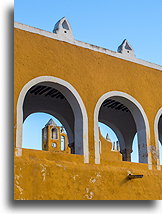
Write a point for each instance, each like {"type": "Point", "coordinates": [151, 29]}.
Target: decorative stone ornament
{"type": "Point", "coordinates": [63, 29]}
{"type": "Point", "coordinates": [126, 49]}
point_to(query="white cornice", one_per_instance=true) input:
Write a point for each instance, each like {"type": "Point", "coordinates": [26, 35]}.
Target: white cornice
{"type": "Point", "coordinates": [85, 45]}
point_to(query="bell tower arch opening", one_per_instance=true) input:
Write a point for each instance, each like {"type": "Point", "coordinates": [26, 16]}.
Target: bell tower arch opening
{"type": "Point", "coordinates": [58, 98]}
{"type": "Point", "coordinates": [127, 118]}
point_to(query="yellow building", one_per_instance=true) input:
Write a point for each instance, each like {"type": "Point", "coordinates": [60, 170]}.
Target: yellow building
{"type": "Point", "coordinates": [82, 84]}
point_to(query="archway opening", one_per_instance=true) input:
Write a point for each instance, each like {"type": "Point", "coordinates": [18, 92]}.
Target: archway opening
{"type": "Point", "coordinates": [159, 139]}
{"type": "Point", "coordinates": [128, 123]}
{"type": "Point", "coordinates": [32, 130]}
{"type": "Point", "coordinates": [59, 98]}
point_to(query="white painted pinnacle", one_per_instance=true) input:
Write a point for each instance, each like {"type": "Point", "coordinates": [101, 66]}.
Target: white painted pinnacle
{"type": "Point", "coordinates": [107, 137]}
{"type": "Point", "coordinates": [126, 49]}
{"type": "Point", "coordinates": [63, 29]}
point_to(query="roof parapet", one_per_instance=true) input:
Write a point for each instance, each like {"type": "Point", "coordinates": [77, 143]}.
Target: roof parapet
{"type": "Point", "coordinates": [86, 45]}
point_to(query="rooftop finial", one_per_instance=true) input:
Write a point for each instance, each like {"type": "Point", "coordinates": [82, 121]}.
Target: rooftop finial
{"type": "Point", "coordinates": [126, 49]}
{"type": "Point", "coordinates": [63, 29]}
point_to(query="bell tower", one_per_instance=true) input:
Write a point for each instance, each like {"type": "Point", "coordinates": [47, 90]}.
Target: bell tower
{"type": "Point", "coordinates": [54, 138]}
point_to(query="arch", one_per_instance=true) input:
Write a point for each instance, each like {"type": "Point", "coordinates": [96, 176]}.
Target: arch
{"type": "Point", "coordinates": [77, 106]}
{"type": "Point", "coordinates": [157, 136]}
{"type": "Point", "coordinates": [136, 109]}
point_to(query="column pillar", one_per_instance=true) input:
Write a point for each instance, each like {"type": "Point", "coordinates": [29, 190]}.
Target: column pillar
{"type": "Point", "coordinates": [126, 154]}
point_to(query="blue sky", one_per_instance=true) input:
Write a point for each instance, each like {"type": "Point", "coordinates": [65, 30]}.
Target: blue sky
{"type": "Point", "coordinates": [105, 23]}
{"type": "Point", "coordinates": [37, 121]}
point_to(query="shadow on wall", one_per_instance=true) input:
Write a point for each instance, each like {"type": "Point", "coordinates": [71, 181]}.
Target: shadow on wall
{"type": "Point", "coordinates": [9, 103]}
{"type": "Point", "coordinates": [87, 204]}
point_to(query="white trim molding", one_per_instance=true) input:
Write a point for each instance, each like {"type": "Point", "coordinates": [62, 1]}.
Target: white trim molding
{"type": "Point", "coordinates": [137, 105]}
{"type": "Point", "coordinates": [75, 94]}
{"type": "Point", "coordinates": [156, 133]}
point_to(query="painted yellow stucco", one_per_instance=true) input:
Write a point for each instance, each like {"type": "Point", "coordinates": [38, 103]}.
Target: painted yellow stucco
{"type": "Point", "coordinates": [45, 175]}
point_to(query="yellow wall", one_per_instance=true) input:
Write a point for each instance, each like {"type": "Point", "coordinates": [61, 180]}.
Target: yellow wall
{"type": "Point", "coordinates": [92, 74]}
{"type": "Point", "coordinates": [43, 175]}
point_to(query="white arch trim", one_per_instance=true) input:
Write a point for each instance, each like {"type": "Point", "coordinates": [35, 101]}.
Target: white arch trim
{"type": "Point", "coordinates": [96, 113]}
{"type": "Point", "coordinates": [71, 89]}
{"type": "Point", "coordinates": [156, 133]}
